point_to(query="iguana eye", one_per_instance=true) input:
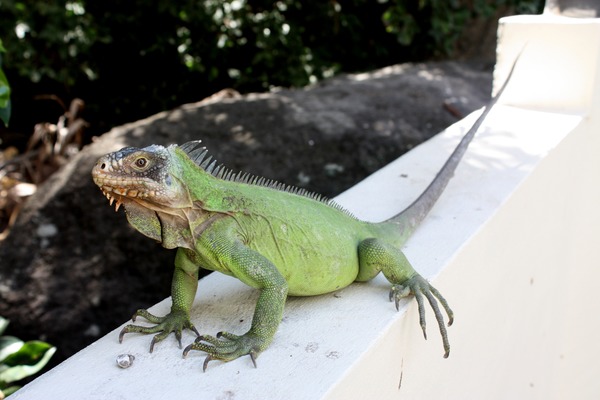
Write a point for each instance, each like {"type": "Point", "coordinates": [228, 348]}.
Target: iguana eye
{"type": "Point", "coordinates": [141, 162]}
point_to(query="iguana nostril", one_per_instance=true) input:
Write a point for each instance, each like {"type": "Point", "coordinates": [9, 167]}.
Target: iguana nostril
{"type": "Point", "coordinates": [103, 166]}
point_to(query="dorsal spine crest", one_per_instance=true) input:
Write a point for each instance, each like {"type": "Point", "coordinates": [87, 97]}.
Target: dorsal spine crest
{"type": "Point", "coordinates": [199, 155]}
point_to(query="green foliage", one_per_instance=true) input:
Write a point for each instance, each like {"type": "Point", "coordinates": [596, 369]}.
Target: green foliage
{"type": "Point", "coordinates": [49, 39]}
{"type": "Point", "coordinates": [19, 359]}
{"type": "Point", "coordinates": [129, 58]}
{"type": "Point", "coordinates": [442, 22]}
{"type": "Point", "coordinates": [4, 92]}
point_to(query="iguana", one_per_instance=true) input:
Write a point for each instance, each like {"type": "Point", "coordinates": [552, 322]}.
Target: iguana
{"type": "Point", "coordinates": [278, 239]}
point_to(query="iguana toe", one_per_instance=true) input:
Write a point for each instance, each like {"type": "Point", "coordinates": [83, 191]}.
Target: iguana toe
{"type": "Point", "coordinates": [225, 347]}
{"type": "Point", "coordinates": [173, 322]}
{"type": "Point", "coordinates": [419, 287]}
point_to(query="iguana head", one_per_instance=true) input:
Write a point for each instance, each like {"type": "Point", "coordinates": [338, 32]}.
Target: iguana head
{"type": "Point", "coordinates": [148, 177]}
{"type": "Point", "coordinates": [148, 182]}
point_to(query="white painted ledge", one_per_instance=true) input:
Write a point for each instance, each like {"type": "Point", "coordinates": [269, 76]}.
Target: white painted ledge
{"type": "Point", "coordinates": [511, 244]}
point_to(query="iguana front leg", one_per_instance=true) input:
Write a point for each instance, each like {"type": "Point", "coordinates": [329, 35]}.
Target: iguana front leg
{"type": "Point", "coordinates": [257, 271]}
{"type": "Point", "coordinates": [183, 291]}
{"type": "Point", "coordinates": [376, 255]}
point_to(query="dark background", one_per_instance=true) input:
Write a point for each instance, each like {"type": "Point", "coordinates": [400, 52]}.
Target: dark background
{"type": "Point", "coordinates": [128, 59]}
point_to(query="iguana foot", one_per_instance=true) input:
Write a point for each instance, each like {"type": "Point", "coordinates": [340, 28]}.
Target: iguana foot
{"type": "Point", "coordinates": [175, 322]}
{"type": "Point", "coordinates": [226, 347]}
{"type": "Point", "coordinates": [418, 286]}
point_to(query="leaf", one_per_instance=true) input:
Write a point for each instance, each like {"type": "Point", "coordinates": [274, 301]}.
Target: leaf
{"type": "Point", "coordinates": [9, 390]}
{"type": "Point", "coordinates": [3, 324]}
{"type": "Point", "coordinates": [5, 113]}
{"type": "Point", "coordinates": [19, 372]}
{"type": "Point", "coordinates": [4, 90]}
{"type": "Point", "coordinates": [28, 354]}
{"type": "Point", "coordinates": [9, 345]}
{"type": "Point", "coordinates": [5, 106]}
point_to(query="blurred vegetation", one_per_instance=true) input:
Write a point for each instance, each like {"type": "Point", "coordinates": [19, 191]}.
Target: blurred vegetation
{"type": "Point", "coordinates": [48, 148]}
{"type": "Point", "coordinates": [128, 59]}
{"type": "Point", "coordinates": [4, 91]}
{"type": "Point", "coordinates": [19, 360]}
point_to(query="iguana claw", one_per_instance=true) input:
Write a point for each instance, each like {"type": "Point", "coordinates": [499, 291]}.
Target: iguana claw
{"type": "Point", "coordinates": [210, 358]}
{"type": "Point", "coordinates": [418, 286]}
{"type": "Point", "coordinates": [225, 347]}
{"type": "Point", "coordinates": [173, 322]}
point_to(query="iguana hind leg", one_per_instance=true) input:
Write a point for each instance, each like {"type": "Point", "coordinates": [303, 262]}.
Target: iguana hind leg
{"type": "Point", "coordinates": [376, 255]}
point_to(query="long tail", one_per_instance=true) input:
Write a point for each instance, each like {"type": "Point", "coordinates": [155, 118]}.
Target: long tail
{"type": "Point", "coordinates": [412, 216]}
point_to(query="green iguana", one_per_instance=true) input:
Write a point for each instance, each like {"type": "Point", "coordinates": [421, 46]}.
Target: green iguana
{"type": "Point", "coordinates": [278, 239]}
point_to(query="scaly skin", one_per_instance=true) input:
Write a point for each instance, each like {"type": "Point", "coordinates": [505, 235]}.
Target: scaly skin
{"type": "Point", "coordinates": [277, 240]}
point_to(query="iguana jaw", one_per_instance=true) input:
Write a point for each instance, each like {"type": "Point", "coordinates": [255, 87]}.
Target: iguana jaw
{"type": "Point", "coordinates": [119, 193]}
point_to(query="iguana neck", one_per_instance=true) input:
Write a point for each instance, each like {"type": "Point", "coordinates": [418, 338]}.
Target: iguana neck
{"type": "Point", "coordinates": [171, 227]}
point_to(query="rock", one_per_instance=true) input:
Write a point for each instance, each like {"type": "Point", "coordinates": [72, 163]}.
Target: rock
{"type": "Point", "coordinates": [73, 269]}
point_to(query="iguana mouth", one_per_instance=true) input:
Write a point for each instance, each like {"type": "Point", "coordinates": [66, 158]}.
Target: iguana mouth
{"type": "Point", "coordinates": [107, 191]}
{"type": "Point", "coordinates": [117, 194]}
